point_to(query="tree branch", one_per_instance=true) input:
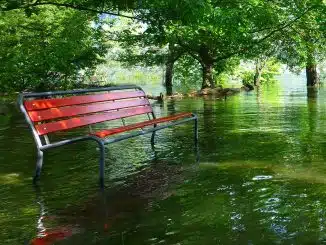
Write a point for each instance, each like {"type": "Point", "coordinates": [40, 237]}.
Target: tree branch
{"type": "Point", "coordinates": [192, 52]}
{"type": "Point", "coordinates": [288, 24]}
{"type": "Point", "coordinates": [72, 6]}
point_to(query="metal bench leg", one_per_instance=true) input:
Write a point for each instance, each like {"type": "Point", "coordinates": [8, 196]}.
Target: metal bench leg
{"type": "Point", "coordinates": [196, 140]}
{"type": "Point", "coordinates": [153, 139]}
{"type": "Point", "coordinates": [196, 131]}
{"type": "Point", "coordinates": [102, 163]}
{"type": "Point", "coordinates": [39, 164]}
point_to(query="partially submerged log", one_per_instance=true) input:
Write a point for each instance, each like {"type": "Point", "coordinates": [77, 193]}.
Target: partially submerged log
{"type": "Point", "coordinates": [159, 98]}
{"type": "Point", "coordinates": [248, 87]}
{"type": "Point", "coordinates": [218, 91]}
{"type": "Point", "coordinates": [213, 92]}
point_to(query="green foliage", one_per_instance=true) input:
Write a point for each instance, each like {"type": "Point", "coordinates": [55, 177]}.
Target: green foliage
{"type": "Point", "coordinates": [46, 47]}
{"type": "Point", "coordinates": [272, 69]}
{"type": "Point", "coordinates": [269, 71]}
{"type": "Point", "coordinates": [226, 70]}
{"type": "Point", "coordinates": [135, 45]}
{"type": "Point", "coordinates": [248, 78]}
{"type": "Point", "coordinates": [212, 32]}
{"type": "Point", "coordinates": [112, 72]}
{"type": "Point", "coordinates": [322, 75]}
{"type": "Point", "coordinates": [304, 43]}
{"type": "Point", "coordinates": [99, 6]}
{"type": "Point", "coordinates": [187, 74]}
{"type": "Point", "coordinates": [49, 48]}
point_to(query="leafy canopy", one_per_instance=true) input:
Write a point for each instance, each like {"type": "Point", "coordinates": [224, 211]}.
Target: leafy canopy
{"type": "Point", "coordinates": [47, 49]}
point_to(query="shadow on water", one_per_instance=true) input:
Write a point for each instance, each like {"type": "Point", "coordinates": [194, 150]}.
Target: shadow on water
{"type": "Point", "coordinates": [260, 180]}
{"type": "Point", "coordinates": [102, 209]}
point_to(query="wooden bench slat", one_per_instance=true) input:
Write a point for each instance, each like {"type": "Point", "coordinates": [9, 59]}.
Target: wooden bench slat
{"type": "Point", "coordinates": [54, 113]}
{"type": "Point", "coordinates": [105, 133]}
{"type": "Point", "coordinates": [41, 104]}
{"type": "Point", "coordinates": [76, 122]}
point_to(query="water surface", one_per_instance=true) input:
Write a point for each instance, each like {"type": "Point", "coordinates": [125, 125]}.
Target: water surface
{"type": "Point", "coordinates": [261, 178]}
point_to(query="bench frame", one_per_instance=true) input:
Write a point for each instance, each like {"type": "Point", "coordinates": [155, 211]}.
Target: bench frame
{"type": "Point", "coordinates": [101, 142]}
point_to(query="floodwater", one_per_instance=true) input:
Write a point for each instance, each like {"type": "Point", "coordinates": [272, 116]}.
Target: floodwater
{"type": "Point", "coordinates": [260, 179]}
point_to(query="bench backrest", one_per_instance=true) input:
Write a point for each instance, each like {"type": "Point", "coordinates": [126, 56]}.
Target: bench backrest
{"type": "Point", "coordinates": [80, 108]}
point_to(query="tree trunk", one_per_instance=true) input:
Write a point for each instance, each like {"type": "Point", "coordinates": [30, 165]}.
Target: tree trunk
{"type": "Point", "coordinates": [169, 77]}
{"type": "Point", "coordinates": [208, 81]}
{"type": "Point", "coordinates": [259, 67]}
{"type": "Point", "coordinates": [312, 92]}
{"type": "Point", "coordinates": [257, 76]}
{"type": "Point", "coordinates": [312, 75]}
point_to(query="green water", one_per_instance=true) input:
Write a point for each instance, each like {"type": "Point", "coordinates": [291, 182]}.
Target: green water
{"type": "Point", "coordinates": [261, 178]}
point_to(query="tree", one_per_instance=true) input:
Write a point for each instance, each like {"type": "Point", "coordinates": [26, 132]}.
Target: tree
{"type": "Point", "coordinates": [215, 31]}
{"type": "Point", "coordinates": [210, 31]}
{"type": "Point", "coordinates": [47, 48]}
{"type": "Point", "coordinates": [112, 7]}
{"type": "Point", "coordinates": [265, 68]}
{"type": "Point", "coordinates": [303, 45]}
{"type": "Point", "coordinates": [138, 46]}
{"type": "Point", "coordinates": [265, 61]}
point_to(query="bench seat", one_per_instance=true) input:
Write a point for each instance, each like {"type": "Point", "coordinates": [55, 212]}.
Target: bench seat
{"type": "Point", "coordinates": [109, 132]}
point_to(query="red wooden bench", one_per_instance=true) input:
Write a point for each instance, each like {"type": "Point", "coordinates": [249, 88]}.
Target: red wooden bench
{"type": "Point", "coordinates": [52, 112]}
